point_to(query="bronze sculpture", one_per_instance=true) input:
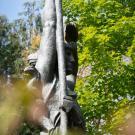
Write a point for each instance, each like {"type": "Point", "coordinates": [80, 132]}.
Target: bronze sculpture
{"type": "Point", "coordinates": [57, 79]}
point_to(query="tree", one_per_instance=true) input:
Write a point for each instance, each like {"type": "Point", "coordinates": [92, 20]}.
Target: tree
{"type": "Point", "coordinates": [106, 45]}
{"type": "Point", "coordinates": [9, 46]}
{"type": "Point", "coordinates": [30, 21]}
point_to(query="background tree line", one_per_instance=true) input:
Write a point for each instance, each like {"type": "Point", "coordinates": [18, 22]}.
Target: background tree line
{"type": "Point", "coordinates": [106, 48]}
{"type": "Point", "coordinates": [20, 37]}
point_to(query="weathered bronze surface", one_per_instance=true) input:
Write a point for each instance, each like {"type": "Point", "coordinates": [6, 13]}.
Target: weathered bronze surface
{"type": "Point", "coordinates": [44, 67]}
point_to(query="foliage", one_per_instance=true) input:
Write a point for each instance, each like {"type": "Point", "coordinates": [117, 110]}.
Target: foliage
{"type": "Point", "coordinates": [15, 102]}
{"type": "Point", "coordinates": [17, 40]}
{"type": "Point", "coordinates": [9, 47]}
{"type": "Point", "coordinates": [30, 22]}
{"type": "Point", "coordinates": [106, 30]}
{"type": "Point", "coordinates": [20, 37]}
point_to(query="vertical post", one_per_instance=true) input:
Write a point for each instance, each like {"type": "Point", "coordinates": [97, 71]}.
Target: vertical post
{"type": "Point", "coordinates": [61, 63]}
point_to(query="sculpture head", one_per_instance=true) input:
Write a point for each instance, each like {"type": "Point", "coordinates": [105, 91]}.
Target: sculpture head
{"type": "Point", "coordinates": [71, 33]}
{"type": "Point", "coordinates": [71, 37]}
{"type": "Point", "coordinates": [32, 58]}
{"type": "Point", "coordinates": [70, 60]}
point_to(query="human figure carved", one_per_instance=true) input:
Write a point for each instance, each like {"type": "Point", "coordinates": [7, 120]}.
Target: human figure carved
{"type": "Point", "coordinates": [46, 70]}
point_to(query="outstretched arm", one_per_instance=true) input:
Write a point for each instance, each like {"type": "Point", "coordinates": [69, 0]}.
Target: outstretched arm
{"type": "Point", "coordinates": [47, 52]}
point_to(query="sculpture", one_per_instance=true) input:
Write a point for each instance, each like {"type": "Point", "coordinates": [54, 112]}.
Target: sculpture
{"type": "Point", "coordinates": [62, 111]}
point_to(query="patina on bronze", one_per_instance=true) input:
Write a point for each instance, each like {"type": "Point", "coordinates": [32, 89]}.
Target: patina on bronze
{"type": "Point", "coordinates": [55, 65]}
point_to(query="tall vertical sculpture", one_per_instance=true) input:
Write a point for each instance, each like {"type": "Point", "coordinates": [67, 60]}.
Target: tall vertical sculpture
{"type": "Point", "coordinates": [56, 64]}
{"type": "Point", "coordinates": [61, 64]}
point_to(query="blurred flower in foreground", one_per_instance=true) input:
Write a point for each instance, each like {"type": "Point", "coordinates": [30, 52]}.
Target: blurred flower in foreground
{"type": "Point", "coordinates": [130, 128]}
{"type": "Point", "coordinates": [15, 103]}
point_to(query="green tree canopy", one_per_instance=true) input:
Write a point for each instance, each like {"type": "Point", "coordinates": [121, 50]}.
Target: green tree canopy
{"type": "Point", "coordinates": [106, 45]}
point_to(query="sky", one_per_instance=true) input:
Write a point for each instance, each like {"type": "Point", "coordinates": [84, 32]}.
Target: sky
{"type": "Point", "coordinates": [11, 8]}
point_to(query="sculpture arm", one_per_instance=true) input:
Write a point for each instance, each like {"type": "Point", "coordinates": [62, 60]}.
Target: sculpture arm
{"type": "Point", "coordinates": [47, 52]}
{"type": "Point", "coordinates": [76, 59]}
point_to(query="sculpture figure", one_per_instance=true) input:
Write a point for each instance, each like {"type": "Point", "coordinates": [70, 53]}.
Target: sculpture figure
{"type": "Point", "coordinates": [44, 68]}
